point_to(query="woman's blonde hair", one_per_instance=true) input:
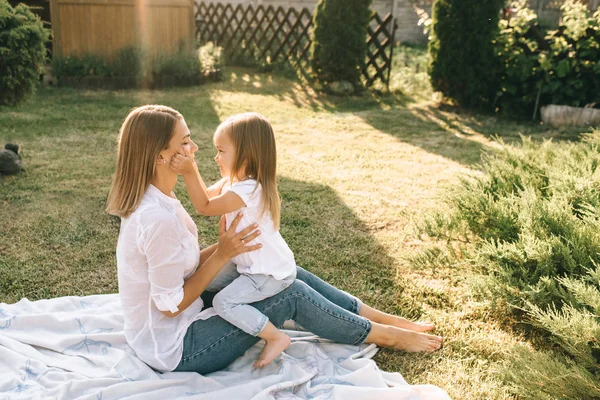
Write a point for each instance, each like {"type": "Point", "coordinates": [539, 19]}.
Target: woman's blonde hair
{"type": "Point", "coordinates": [255, 157]}
{"type": "Point", "coordinates": [146, 131]}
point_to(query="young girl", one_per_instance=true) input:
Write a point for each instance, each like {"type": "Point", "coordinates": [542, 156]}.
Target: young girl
{"type": "Point", "coordinates": [247, 159]}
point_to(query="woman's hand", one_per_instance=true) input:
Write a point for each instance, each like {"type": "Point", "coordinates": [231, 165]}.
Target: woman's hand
{"type": "Point", "coordinates": [183, 163]}
{"type": "Point", "coordinates": [231, 243]}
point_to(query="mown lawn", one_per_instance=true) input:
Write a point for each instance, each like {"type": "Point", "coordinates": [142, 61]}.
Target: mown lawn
{"type": "Point", "coordinates": [356, 174]}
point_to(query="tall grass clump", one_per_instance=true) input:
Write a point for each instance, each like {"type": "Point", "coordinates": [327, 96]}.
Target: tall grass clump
{"type": "Point", "coordinates": [532, 224]}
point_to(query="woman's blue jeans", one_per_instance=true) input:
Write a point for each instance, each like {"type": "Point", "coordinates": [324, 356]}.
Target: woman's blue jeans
{"type": "Point", "coordinates": [212, 344]}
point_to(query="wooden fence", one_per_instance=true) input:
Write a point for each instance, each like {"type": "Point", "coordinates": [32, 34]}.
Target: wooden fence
{"type": "Point", "coordinates": [103, 27]}
{"type": "Point", "coordinates": [274, 34]}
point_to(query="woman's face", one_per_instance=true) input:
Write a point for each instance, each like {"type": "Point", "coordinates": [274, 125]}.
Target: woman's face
{"type": "Point", "coordinates": [181, 142]}
{"type": "Point", "coordinates": [225, 153]}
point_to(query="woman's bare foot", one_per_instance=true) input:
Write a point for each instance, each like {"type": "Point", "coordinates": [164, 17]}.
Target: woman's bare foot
{"type": "Point", "coordinates": [416, 341]}
{"type": "Point", "coordinates": [380, 317]}
{"type": "Point", "coordinates": [276, 342]}
{"type": "Point", "coordinates": [403, 323]}
{"type": "Point", "coordinates": [272, 349]}
{"type": "Point", "coordinates": [403, 339]}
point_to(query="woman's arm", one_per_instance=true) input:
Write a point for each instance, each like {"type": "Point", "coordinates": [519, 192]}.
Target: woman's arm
{"type": "Point", "coordinates": [206, 253]}
{"type": "Point", "coordinates": [230, 245]}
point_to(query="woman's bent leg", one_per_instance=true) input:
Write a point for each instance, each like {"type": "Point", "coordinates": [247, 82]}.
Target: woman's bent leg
{"type": "Point", "coordinates": [353, 304]}
{"type": "Point", "coordinates": [212, 344]}
{"type": "Point", "coordinates": [331, 293]}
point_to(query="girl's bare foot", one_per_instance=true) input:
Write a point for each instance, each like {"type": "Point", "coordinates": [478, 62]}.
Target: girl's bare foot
{"type": "Point", "coordinates": [273, 347]}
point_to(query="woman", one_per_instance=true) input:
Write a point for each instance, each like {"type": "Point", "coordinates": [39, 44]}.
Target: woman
{"type": "Point", "coordinates": [163, 275]}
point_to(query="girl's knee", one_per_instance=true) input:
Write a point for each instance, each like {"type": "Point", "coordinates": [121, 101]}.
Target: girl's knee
{"type": "Point", "coordinates": [219, 303]}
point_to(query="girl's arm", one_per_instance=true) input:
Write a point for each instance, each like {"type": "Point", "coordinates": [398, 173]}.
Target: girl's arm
{"type": "Point", "coordinates": [230, 245]}
{"type": "Point", "coordinates": [218, 205]}
{"type": "Point", "coordinates": [215, 189]}
{"type": "Point", "coordinates": [203, 203]}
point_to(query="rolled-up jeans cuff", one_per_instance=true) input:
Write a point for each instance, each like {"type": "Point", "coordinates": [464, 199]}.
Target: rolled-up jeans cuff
{"type": "Point", "coordinates": [260, 328]}
{"type": "Point", "coordinates": [357, 305]}
{"type": "Point", "coordinates": [366, 333]}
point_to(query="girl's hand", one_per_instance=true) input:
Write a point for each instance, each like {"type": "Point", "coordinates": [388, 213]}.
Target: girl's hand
{"type": "Point", "coordinates": [183, 163]}
{"type": "Point", "coordinates": [232, 244]}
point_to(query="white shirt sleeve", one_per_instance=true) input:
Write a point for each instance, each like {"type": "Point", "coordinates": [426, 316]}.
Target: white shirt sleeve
{"type": "Point", "coordinates": [161, 243]}
{"type": "Point", "coordinates": [248, 190]}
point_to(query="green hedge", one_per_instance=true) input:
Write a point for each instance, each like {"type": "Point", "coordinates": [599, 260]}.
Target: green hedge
{"type": "Point", "coordinates": [339, 47]}
{"type": "Point", "coordinates": [22, 52]}
{"type": "Point", "coordinates": [541, 67]}
{"type": "Point", "coordinates": [135, 64]}
{"type": "Point", "coordinates": [463, 62]}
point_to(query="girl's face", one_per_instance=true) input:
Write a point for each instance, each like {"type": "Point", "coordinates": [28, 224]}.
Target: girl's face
{"type": "Point", "coordinates": [225, 157]}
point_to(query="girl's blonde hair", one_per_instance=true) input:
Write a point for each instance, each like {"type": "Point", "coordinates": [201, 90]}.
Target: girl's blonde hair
{"type": "Point", "coordinates": [255, 157]}
{"type": "Point", "coordinates": [146, 131]}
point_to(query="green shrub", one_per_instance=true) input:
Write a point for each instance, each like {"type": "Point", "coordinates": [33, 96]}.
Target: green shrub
{"type": "Point", "coordinates": [129, 61]}
{"type": "Point", "coordinates": [23, 41]}
{"type": "Point", "coordinates": [163, 69]}
{"type": "Point", "coordinates": [211, 61]}
{"type": "Point", "coordinates": [339, 48]}
{"type": "Point", "coordinates": [463, 61]}
{"type": "Point", "coordinates": [533, 220]}
{"type": "Point", "coordinates": [80, 66]}
{"type": "Point", "coordinates": [182, 65]}
{"type": "Point", "coordinates": [549, 67]}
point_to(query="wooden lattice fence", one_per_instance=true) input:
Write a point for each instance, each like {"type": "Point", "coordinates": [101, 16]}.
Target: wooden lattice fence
{"type": "Point", "coordinates": [267, 34]}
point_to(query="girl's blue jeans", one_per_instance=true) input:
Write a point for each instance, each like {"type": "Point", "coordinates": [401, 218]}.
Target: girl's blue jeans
{"type": "Point", "coordinates": [212, 344]}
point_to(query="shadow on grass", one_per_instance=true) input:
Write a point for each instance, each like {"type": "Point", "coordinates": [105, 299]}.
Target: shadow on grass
{"type": "Point", "coordinates": [328, 239]}
{"type": "Point", "coordinates": [62, 242]}
{"type": "Point", "coordinates": [447, 131]}
{"type": "Point", "coordinates": [450, 132]}
{"type": "Point", "coordinates": [249, 80]}
{"type": "Point", "coordinates": [457, 134]}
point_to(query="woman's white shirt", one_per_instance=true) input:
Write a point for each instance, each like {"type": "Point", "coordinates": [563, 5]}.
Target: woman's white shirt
{"type": "Point", "coordinates": [156, 251]}
{"type": "Point", "coordinates": [275, 257]}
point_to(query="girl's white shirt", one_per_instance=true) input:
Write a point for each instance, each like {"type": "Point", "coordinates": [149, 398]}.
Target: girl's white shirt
{"type": "Point", "coordinates": [156, 251]}
{"type": "Point", "coordinates": [275, 257]}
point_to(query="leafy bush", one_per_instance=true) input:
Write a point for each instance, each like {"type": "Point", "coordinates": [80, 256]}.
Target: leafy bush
{"type": "Point", "coordinates": [339, 48]}
{"type": "Point", "coordinates": [129, 61]}
{"type": "Point", "coordinates": [533, 221]}
{"type": "Point", "coordinates": [555, 67]}
{"type": "Point", "coordinates": [211, 61]}
{"type": "Point", "coordinates": [79, 66]}
{"type": "Point", "coordinates": [181, 67]}
{"type": "Point", "coordinates": [463, 61]}
{"type": "Point", "coordinates": [23, 41]}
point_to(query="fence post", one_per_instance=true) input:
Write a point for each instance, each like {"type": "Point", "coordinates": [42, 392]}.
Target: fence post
{"type": "Point", "coordinates": [394, 26]}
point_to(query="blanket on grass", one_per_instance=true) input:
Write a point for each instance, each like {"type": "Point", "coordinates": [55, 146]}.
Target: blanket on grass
{"type": "Point", "coordinates": [74, 348]}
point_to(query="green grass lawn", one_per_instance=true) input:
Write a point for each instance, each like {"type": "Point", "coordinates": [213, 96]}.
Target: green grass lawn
{"type": "Point", "coordinates": [355, 176]}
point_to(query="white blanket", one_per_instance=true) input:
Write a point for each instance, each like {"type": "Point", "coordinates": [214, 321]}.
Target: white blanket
{"type": "Point", "coordinates": [74, 348]}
